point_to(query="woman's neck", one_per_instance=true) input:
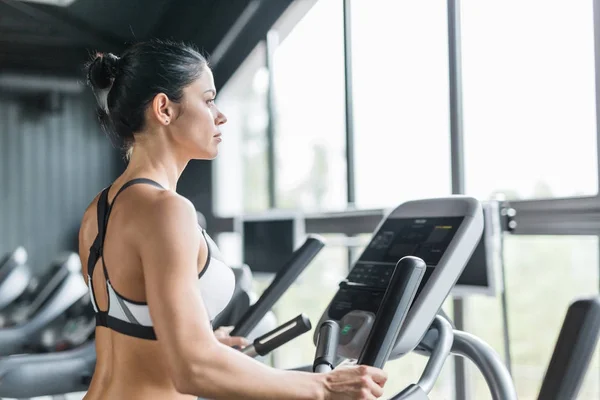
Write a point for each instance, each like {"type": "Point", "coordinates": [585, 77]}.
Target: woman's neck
{"type": "Point", "coordinates": [156, 163]}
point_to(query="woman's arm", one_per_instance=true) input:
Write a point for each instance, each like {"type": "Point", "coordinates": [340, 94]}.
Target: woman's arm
{"type": "Point", "coordinates": [198, 364]}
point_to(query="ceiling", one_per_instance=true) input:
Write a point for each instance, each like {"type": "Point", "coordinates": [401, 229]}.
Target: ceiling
{"type": "Point", "coordinates": [57, 40]}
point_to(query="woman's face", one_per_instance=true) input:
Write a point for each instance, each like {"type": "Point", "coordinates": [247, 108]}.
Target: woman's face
{"type": "Point", "coordinates": [196, 126]}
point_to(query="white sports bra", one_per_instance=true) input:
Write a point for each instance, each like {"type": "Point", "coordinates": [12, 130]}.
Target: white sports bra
{"type": "Point", "coordinates": [216, 281]}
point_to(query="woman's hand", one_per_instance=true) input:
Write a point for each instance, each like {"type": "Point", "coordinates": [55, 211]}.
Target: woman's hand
{"type": "Point", "coordinates": [355, 382]}
{"type": "Point", "coordinates": [222, 335]}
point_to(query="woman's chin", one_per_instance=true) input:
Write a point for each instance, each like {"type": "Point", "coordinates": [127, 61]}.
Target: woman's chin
{"type": "Point", "coordinates": [206, 154]}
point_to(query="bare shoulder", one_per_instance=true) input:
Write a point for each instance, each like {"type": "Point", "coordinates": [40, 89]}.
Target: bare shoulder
{"type": "Point", "coordinates": [146, 207]}
{"type": "Point", "coordinates": [153, 217]}
{"type": "Point", "coordinates": [162, 221]}
{"type": "Point", "coordinates": [88, 222]}
{"type": "Point", "coordinates": [166, 210]}
{"type": "Point", "coordinates": [168, 234]}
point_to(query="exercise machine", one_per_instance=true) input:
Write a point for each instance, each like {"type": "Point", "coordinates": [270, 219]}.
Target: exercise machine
{"type": "Point", "coordinates": [425, 229]}
{"type": "Point", "coordinates": [393, 309]}
{"type": "Point", "coordinates": [573, 351]}
{"type": "Point", "coordinates": [53, 315]}
{"type": "Point", "coordinates": [442, 234]}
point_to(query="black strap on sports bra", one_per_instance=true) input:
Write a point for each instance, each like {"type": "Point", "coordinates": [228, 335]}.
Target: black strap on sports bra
{"type": "Point", "coordinates": [104, 209]}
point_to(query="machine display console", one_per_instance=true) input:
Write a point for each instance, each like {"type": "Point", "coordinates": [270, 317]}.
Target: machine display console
{"type": "Point", "coordinates": [426, 238]}
{"type": "Point", "coordinates": [441, 232]}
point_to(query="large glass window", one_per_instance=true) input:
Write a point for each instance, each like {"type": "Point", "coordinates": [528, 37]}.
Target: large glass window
{"type": "Point", "coordinates": [544, 274]}
{"type": "Point", "coordinates": [308, 81]}
{"type": "Point", "coordinates": [401, 112]}
{"type": "Point", "coordinates": [484, 320]}
{"type": "Point", "coordinates": [528, 97]}
{"type": "Point", "coordinates": [240, 173]}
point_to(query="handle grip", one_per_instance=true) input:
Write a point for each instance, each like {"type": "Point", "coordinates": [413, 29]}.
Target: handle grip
{"type": "Point", "coordinates": [278, 336]}
{"type": "Point", "coordinates": [327, 344]}
{"type": "Point", "coordinates": [393, 310]}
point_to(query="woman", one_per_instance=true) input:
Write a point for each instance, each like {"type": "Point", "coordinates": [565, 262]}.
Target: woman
{"type": "Point", "coordinates": [156, 278]}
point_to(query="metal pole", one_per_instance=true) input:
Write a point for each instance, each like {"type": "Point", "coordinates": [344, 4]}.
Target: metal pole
{"type": "Point", "coordinates": [596, 12]}
{"type": "Point", "coordinates": [457, 164]}
{"type": "Point", "coordinates": [455, 85]}
{"type": "Point", "coordinates": [460, 374]}
{"type": "Point", "coordinates": [350, 193]}
{"type": "Point", "coordinates": [350, 188]}
{"type": "Point", "coordinates": [506, 332]}
{"type": "Point", "coordinates": [271, 44]}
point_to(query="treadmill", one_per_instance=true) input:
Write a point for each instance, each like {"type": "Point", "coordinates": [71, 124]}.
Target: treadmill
{"type": "Point", "coordinates": [52, 315]}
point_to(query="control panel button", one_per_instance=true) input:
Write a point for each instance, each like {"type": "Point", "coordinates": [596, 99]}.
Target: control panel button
{"type": "Point", "coordinates": [373, 275]}
{"type": "Point", "coordinates": [346, 329]}
{"type": "Point", "coordinates": [350, 324]}
{"type": "Point", "coordinates": [355, 327]}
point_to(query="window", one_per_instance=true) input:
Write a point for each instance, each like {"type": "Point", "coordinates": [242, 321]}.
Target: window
{"type": "Point", "coordinates": [484, 320]}
{"type": "Point", "coordinates": [529, 98]}
{"type": "Point", "coordinates": [400, 95]}
{"type": "Point", "coordinates": [544, 274]}
{"type": "Point", "coordinates": [308, 79]}
{"type": "Point", "coordinates": [241, 173]}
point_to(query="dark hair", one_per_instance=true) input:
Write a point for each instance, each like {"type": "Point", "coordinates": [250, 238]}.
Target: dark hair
{"type": "Point", "coordinates": [125, 86]}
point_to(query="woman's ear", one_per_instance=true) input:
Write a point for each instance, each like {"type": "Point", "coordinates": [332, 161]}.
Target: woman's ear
{"type": "Point", "coordinates": [162, 109]}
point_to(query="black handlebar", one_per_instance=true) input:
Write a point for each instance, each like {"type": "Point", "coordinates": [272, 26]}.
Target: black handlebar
{"type": "Point", "coordinates": [392, 312]}
{"type": "Point", "coordinates": [282, 281]}
{"type": "Point", "coordinates": [327, 344]}
{"type": "Point", "coordinates": [278, 336]}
